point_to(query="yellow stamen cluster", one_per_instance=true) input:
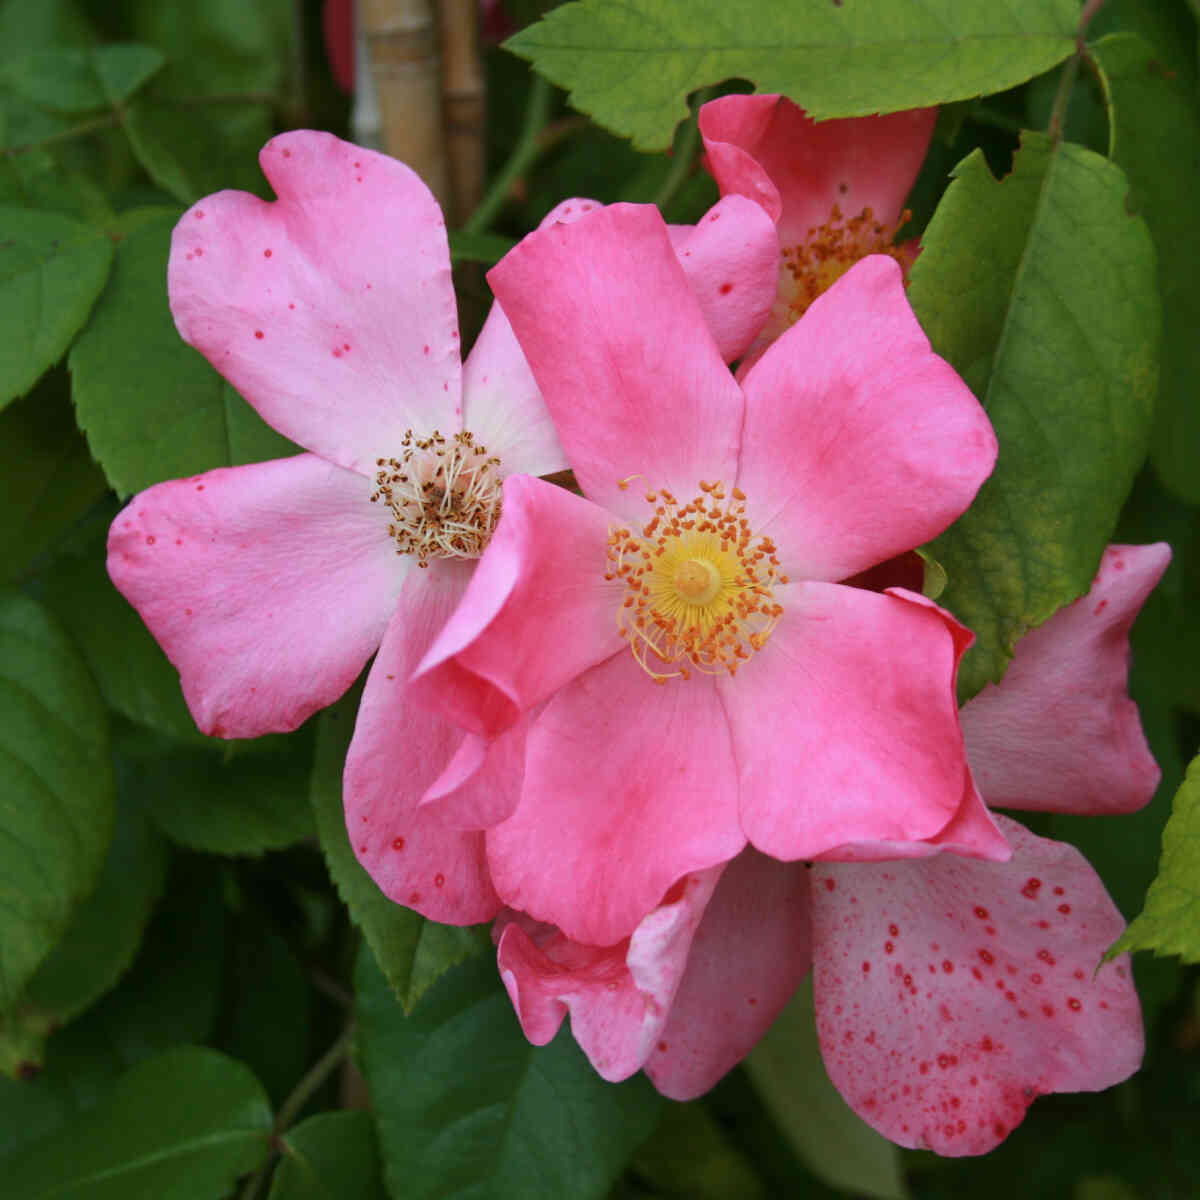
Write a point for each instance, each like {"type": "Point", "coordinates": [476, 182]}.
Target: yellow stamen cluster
{"type": "Point", "coordinates": [699, 585]}
{"type": "Point", "coordinates": [830, 250]}
{"type": "Point", "coordinates": [444, 496]}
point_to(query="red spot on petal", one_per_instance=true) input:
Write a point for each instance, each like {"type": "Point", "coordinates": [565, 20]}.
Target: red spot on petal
{"type": "Point", "coordinates": [1048, 1009]}
{"type": "Point", "coordinates": [829, 885]}
{"type": "Point", "coordinates": [1100, 607]}
{"type": "Point", "coordinates": [894, 930]}
{"type": "Point", "coordinates": [287, 154]}
{"type": "Point", "coordinates": [888, 947]}
{"type": "Point", "coordinates": [266, 254]}
{"type": "Point", "coordinates": [199, 251]}
{"type": "Point", "coordinates": [987, 956]}
{"type": "Point", "coordinates": [414, 897]}
{"type": "Point", "coordinates": [397, 842]}
{"type": "Point", "coordinates": [987, 1045]}
{"type": "Point", "coordinates": [1073, 1004]}
{"type": "Point", "coordinates": [291, 306]}
{"type": "Point", "coordinates": [1035, 978]}
{"type": "Point", "coordinates": [981, 913]}
{"type": "Point", "coordinates": [866, 968]}
{"type": "Point", "coordinates": [662, 1047]}
{"type": "Point", "coordinates": [947, 966]}
{"type": "Point", "coordinates": [151, 540]}
{"type": "Point", "coordinates": [199, 214]}
{"type": "Point", "coordinates": [1064, 909]}
{"type": "Point", "coordinates": [439, 880]}
{"type": "Point", "coordinates": [187, 612]}
{"type": "Point", "coordinates": [725, 289]}
{"type": "Point", "coordinates": [258, 333]}
{"type": "Point", "coordinates": [1047, 957]}
{"type": "Point", "coordinates": [1031, 888]}
{"type": "Point", "coordinates": [1058, 891]}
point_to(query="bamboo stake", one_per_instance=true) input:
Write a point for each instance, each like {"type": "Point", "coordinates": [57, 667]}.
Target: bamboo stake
{"type": "Point", "coordinates": [463, 94]}
{"type": "Point", "coordinates": [402, 48]}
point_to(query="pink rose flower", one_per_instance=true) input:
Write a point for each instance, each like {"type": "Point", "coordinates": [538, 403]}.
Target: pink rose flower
{"type": "Point", "coordinates": [950, 992]}
{"type": "Point", "coordinates": [706, 681]}
{"type": "Point", "coordinates": [269, 586]}
{"type": "Point", "coordinates": [835, 189]}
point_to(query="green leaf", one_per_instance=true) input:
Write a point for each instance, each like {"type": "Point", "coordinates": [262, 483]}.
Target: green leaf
{"type": "Point", "coordinates": [630, 64]}
{"type": "Point", "coordinates": [1170, 922]}
{"type": "Point", "coordinates": [1155, 138]}
{"type": "Point", "coordinates": [56, 789]}
{"type": "Point", "coordinates": [1049, 311]}
{"type": "Point", "coordinates": [466, 1107]}
{"type": "Point", "coordinates": [327, 1157]}
{"type": "Point", "coordinates": [50, 480]}
{"type": "Point", "coordinates": [830, 1139]}
{"type": "Point", "coordinates": [81, 80]}
{"type": "Point", "coordinates": [411, 951]}
{"type": "Point", "coordinates": [51, 271]}
{"type": "Point", "coordinates": [151, 407]}
{"type": "Point", "coordinates": [224, 799]}
{"type": "Point", "coordinates": [98, 946]}
{"type": "Point", "coordinates": [165, 999]}
{"type": "Point", "coordinates": [41, 24]}
{"type": "Point", "coordinates": [182, 1126]}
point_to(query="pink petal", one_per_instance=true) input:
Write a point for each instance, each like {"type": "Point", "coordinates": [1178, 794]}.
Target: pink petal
{"type": "Point", "coordinates": [502, 406]}
{"type": "Point", "coordinates": [950, 992]}
{"type": "Point", "coordinates": [398, 750]}
{"type": "Point", "coordinates": [332, 309]}
{"type": "Point", "coordinates": [268, 586]}
{"type": "Point", "coordinates": [628, 788]}
{"type": "Point", "coordinates": [731, 260]}
{"type": "Point", "coordinates": [1059, 732]}
{"type": "Point", "coordinates": [618, 996]}
{"type": "Point", "coordinates": [766, 148]}
{"type": "Point", "coordinates": [751, 952]}
{"type": "Point", "coordinates": [537, 612]}
{"type": "Point", "coordinates": [859, 442]}
{"type": "Point", "coordinates": [566, 212]}
{"type": "Point", "coordinates": [618, 344]}
{"type": "Point", "coordinates": [845, 726]}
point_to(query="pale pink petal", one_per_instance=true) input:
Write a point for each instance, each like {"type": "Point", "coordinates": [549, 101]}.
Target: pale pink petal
{"type": "Point", "coordinates": [502, 406]}
{"type": "Point", "coordinates": [628, 787]}
{"type": "Point", "coordinates": [1059, 732]}
{"type": "Point", "coordinates": [398, 750]}
{"type": "Point", "coordinates": [537, 612]}
{"type": "Point", "coordinates": [268, 586]}
{"type": "Point", "coordinates": [950, 993]}
{"type": "Point", "coordinates": [749, 955]}
{"type": "Point", "coordinates": [568, 211]}
{"type": "Point", "coordinates": [731, 260]}
{"type": "Point", "coordinates": [330, 309]}
{"type": "Point", "coordinates": [618, 996]}
{"type": "Point", "coordinates": [766, 148]}
{"type": "Point", "coordinates": [845, 727]}
{"type": "Point", "coordinates": [859, 441]}
{"type": "Point", "coordinates": [618, 345]}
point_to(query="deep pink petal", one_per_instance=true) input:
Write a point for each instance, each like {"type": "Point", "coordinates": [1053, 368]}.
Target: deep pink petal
{"type": "Point", "coordinates": [749, 955]}
{"type": "Point", "coordinates": [1059, 732]}
{"type": "Point", "coordinates": [619, 347]}
{"type": "Point", "coordinates": [951, 992]}
{"type": "Point", "coordinates": [845, 726]}
{"type": "Point", "coordinates": [398, 750]}
{"type": "Point", "coordinates": [859, 442]}
{"type": "Point", "coordinates": [502, 406]}
{"type": "Point", "coordinates": [618, 996]}
{"type": "Point", "coordinates": [731, 260]}
{"type": "Point", "coordinates": [537, 612]}
{"type": "Point", "coordinates": [331, 309]}
{"type": "Point", "coordinates": [766, 148]}
{"type": "Point", "coordinates": [628, 787]}
{"type": "Point", "coordinates": [268, 586]}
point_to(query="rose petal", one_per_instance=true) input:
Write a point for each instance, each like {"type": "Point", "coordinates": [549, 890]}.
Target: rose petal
{"type": "Point", "coordinates": [619, 347]}
{"type": "Point", "coordinates": [537, 612]}
{"type": "Point", "coordinates": [618, 996]}
{"type": "Point", "coordinates": [331, 309]}
{"type": "Point", "coordinates": [397, 751]}
{"type": "Point", "coordinates": [628, 788]}
{"type": "Point", "coordinates": [267, 585]}
{"type": "Point", "coordinates": [950, 992]}
{"type": "Point", "coordinates": [767, 148]}
{"type": "Point", "coordinates": [845, 726]}
{"type": "Point", "coordinates": [859, 442]}
{"type": "Point", "coordinates": [750, 953]}
{"type": "Point", "coordinates": [1059, 733]}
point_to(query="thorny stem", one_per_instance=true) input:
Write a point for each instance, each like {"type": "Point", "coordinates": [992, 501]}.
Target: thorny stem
{"type": "Point", "coordinates": [300, 1095]}
{"type": "Point", "coordinates": [1062, 98]}
{"type": "Point", "coordinates": [685, 154]}
{"type": "Point", "coordinates": [529, 146]}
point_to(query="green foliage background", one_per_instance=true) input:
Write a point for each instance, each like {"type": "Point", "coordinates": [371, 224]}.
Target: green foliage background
{"type": "Point", "coordinates": [191, 959]}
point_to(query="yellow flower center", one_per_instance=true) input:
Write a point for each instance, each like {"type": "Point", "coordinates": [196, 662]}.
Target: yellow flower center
{"type": "Point", "coordinates": [443, 496]}
{"type": "Point", "coordinates": [829, 251]}
{"type": "Point", "coordinates": [698, 585]}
